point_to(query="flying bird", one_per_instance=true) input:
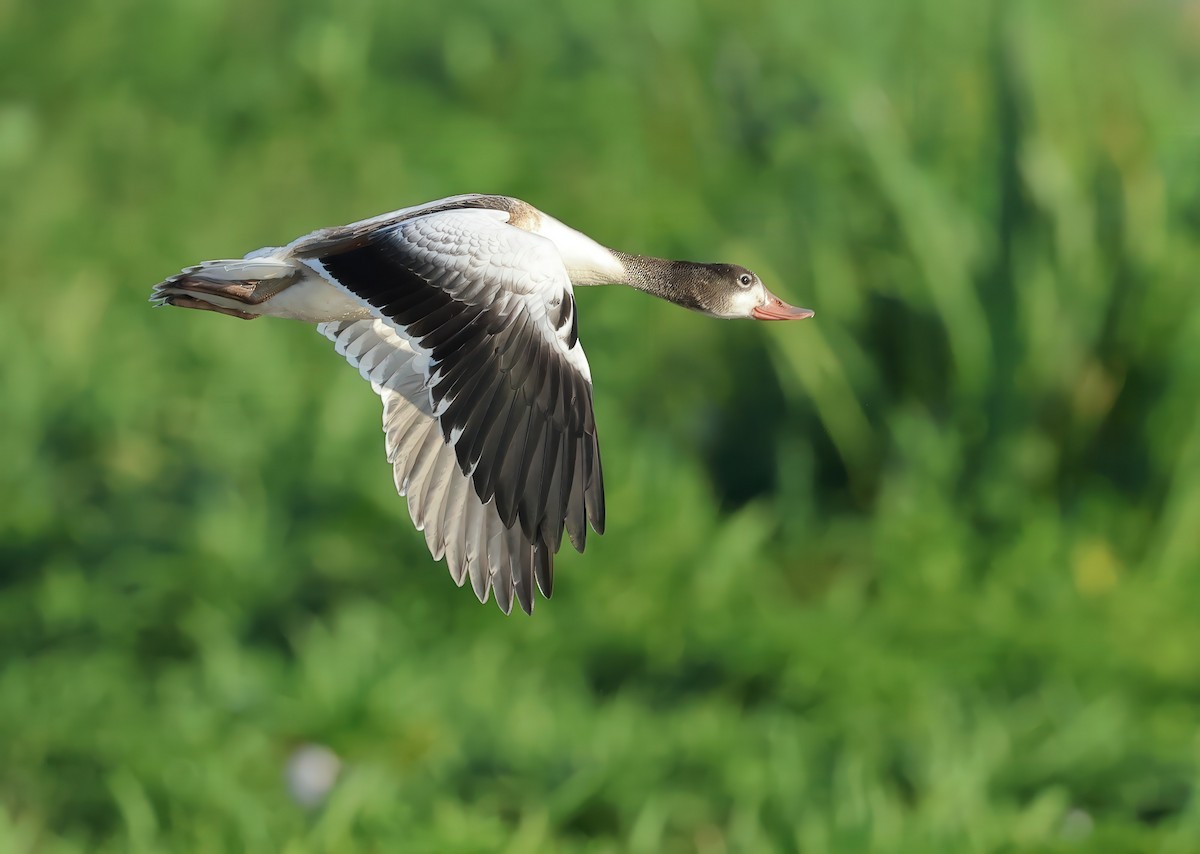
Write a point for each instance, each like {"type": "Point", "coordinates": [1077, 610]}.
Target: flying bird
{"type": "Point", "coordinates": [461, 314]}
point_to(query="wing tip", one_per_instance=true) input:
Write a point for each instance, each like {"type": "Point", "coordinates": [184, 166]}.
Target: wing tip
{"type": "Point", "coordinates": [595, 514]}
{"type": "Point", "coordinates": [543, 569]}
{"type": "Point", "coordinates": [504, 597]}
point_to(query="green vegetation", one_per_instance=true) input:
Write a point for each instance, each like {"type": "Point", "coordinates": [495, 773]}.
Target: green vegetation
{"type": "Point", "coordinates": [922, 574]}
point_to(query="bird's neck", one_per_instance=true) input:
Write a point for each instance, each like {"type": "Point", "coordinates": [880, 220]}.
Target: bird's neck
{"type": "Point", "coordinates": [589, 263]}
{"type": "Point", "coordinates": [674, 281]}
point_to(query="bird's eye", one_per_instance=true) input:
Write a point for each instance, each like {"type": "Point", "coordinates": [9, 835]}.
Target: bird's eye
{"type": "Point", "coordinates": [745, 279]}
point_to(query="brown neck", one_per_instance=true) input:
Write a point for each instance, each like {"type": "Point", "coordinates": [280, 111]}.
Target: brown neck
{"type": "Point", "coordinates": [684, 283]}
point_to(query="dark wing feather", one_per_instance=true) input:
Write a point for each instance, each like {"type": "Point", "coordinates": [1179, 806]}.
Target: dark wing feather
{"type": "Point", "coordinates": [491, 307]}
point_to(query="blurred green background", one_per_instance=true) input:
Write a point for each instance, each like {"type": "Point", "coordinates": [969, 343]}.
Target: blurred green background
{"type": "Point", "coordinates": [920, 575]}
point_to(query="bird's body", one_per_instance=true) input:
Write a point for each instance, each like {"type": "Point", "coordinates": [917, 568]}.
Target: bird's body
{"type": "Point", "coordinates": [461, 314]}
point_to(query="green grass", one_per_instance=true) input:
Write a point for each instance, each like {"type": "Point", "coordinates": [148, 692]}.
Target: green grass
{"type": "Point", "coordinates": [920, 575]}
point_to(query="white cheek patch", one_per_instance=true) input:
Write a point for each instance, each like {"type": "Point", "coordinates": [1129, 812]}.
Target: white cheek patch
{"type": "Point", "coordinates": [745, 301]}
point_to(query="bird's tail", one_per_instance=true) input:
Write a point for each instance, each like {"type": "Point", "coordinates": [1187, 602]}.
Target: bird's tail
{"type": "Point", "coordinates": [237, 287]}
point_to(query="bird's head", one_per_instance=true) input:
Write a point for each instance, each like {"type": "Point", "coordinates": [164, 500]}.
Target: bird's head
{"type": "Point", "coordinates": [734, 291]}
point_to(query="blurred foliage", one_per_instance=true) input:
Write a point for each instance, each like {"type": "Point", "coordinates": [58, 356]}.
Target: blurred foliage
{"type": "Point", "coordinates": [920, 575]}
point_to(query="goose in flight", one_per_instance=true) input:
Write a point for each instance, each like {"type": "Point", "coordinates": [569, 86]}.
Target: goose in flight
{"type": "Point", "coordinates": [461, 314]}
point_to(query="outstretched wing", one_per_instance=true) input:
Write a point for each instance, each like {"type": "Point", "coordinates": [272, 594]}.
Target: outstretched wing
{"type": "Point", "coordinates": [476, 333]}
